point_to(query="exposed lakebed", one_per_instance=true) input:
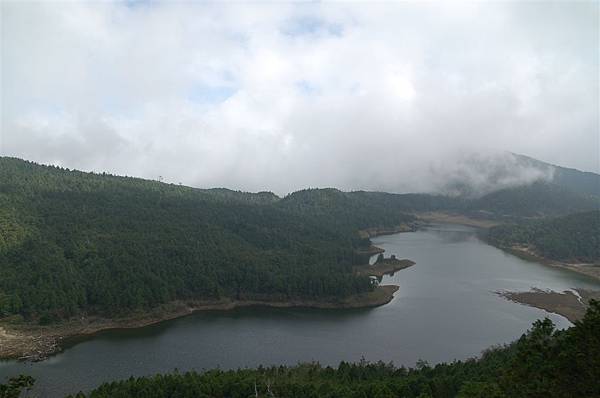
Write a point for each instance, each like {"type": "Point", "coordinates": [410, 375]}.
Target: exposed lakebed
{"type": "Point", "coordinates": [446, 308]}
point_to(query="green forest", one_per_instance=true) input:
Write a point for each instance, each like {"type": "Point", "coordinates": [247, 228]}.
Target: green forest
{"type": "Point", "coordinates": [572, 238]}
{"type": "Point", "coordinates": [74, 242]}
{"type": "Point", "coordinates": [543, 363]}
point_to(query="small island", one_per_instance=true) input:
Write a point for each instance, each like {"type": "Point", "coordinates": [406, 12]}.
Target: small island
{"type": "Point", "coordinates": [384, 266]}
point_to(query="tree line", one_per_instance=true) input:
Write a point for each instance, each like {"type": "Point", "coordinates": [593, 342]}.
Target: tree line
{"type": "Point", "coordinates": [572, 238]}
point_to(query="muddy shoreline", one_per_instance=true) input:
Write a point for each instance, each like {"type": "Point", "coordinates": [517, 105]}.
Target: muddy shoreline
{"type": "Point", "coordinates": [369, 233]}
{"type": "Point", "coordinates": [36, 343]}
{"type": "Point", "coordinates": [591, 270]}
{"type": "Point", "coordinates": [571, 305]}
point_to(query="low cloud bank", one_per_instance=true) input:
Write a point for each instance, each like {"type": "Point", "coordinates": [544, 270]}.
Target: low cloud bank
{"type": "Point", "coordinates": [402, 97]}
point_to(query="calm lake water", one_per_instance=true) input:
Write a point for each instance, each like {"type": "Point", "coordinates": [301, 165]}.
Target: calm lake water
{"type": "Point", "coordinates": [445, 309]}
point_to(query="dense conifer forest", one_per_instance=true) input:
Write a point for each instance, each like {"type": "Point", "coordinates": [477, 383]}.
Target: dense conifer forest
{"type": "Point", "coordinates": [572, 238]}
{"type": "Point", "coordinates": [73, 242]}
{"type": "Point", "coordinates": [544, 362]}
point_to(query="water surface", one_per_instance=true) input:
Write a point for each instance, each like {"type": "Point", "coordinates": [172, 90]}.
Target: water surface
{"type": "Point", "coordinates": [445, 309]}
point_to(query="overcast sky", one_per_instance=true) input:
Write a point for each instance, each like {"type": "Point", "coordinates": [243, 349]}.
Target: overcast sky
{"type": "Point", "coordinates": [278, 97]}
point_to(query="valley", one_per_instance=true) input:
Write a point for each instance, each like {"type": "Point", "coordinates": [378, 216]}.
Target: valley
{"type": "Point", "coordinates": [98, 265]}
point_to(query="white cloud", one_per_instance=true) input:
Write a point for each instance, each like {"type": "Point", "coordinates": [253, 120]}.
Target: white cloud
{"type": "Point", "coordinates": [284, 96]}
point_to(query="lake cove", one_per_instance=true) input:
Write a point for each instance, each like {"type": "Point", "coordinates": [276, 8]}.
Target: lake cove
{"type": "Point", "coordinates": [446, 308]}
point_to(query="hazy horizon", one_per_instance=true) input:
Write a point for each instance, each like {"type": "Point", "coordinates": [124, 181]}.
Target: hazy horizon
{"type": "Point", "coordinates": [509, 181]}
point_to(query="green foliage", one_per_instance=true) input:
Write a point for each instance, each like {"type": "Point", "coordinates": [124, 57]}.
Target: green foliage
{"type": "Point", "coordinates": [73, 242]}
{"type": "Point", "coordinates": [476, 389]}
{"type": "Point", "coordinates": [544, 362]}
{"type": "Point", "coordinates": [15, 386]}
{"type": "Point", "coordinates": [585, 183]}
{"type": "Point", "coordinates": [534, 200]}
{"type": "Point", "coordinates": [350, 210]}
{"type": "Point", "coordinates": [575, 237]}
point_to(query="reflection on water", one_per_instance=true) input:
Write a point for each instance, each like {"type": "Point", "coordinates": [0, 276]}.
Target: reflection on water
{"type": "Point", "coordinates": [445, 309]}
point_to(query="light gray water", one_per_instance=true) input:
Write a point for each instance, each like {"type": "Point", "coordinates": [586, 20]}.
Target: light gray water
{"type": "Point", "coordinates": [445, 309]}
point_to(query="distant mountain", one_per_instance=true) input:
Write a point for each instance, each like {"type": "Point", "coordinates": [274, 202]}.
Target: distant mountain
{"type": "Point", "coordinates": [534, 200]}
{"type": "Point", "coordinates": [473, 175]}
{"type": "Point", "coordinates": [507, 185]}
{"type": "Point", "coordinates": [581, 182]}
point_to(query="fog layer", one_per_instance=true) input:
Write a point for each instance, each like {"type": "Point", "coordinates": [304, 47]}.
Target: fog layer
{"type": "Point", "coordinates": [395, 97]}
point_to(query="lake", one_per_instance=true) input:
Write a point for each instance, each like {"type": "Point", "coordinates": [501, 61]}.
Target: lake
{"type": "Point", "coordinates": [445, 309]}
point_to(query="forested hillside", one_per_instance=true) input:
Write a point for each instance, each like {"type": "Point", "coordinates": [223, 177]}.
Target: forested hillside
{"type": "Point", "coordinates": [572, 238]}
{"type": "Point", "coordinates": [74, 241]}
{"type": "Point", "coordinates": [535, 200]}
{"type": "Point", "coordinates": [581, 182]}
{"type": "Point", "coordinates": [544, 362]}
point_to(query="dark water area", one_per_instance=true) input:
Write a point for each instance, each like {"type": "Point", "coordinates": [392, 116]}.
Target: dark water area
{"type": "Point", "coordinates": [445, 309]}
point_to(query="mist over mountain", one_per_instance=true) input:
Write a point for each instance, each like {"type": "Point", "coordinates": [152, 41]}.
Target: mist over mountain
{"type": "Point", "coordinates": [477, 174]}
{"type": "Point", "coordinates": [278, 98]}
{"type": "Point", "coordinates": [583, 182]}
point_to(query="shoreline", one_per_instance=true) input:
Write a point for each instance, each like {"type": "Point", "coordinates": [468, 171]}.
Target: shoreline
{"type": "Point", "coordinates": [567, 304]}
{"type": "Point", "coordinates": [371, 251]}
{"type": "Point", "coordinates": [388, 267]}
{"type": "Point", "coordinates": [590, 270]}
{"type": "Point", "coordinates": [37, 343]}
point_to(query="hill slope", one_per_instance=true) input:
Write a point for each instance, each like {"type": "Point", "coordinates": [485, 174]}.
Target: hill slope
{"type": "Point", "coordinates": [572, 238]}
{"type": "Point", "coordinates": [76, 242]}
{"type": "Point", "coordinates": [581, 182]}
{"type": "Point", "coordinates": [535, 200]}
